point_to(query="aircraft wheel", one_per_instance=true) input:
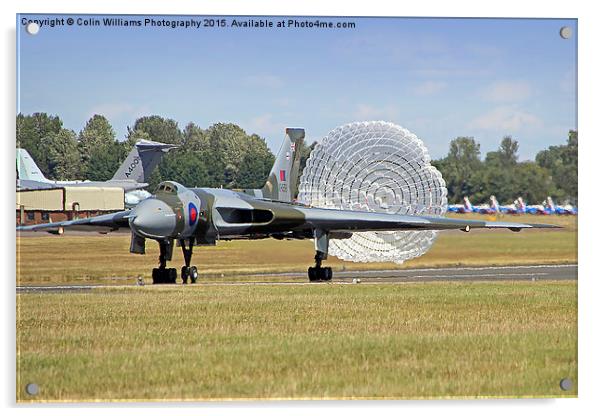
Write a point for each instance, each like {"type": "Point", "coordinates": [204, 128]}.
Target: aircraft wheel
{"type": "Point", "coordinates": [324, 274]}
{"type": "Point", "coordinates": [172, 276]}
{"type": "Point", "coordinates": [185, 274]}
{"type": "Point", "coordinates": [164, 276]}
{"type": "Point", "coordinates": [312, 274]}
{"type": "Point", "coordinates": [327, 274]}
{"type": "Point", "coordinates": [194, 274]}
{"type": "Point", "coordinates": [160, 276]}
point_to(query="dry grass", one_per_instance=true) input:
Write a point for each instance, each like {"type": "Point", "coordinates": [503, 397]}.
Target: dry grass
{"type": "Point", "coordinates": [94, 257]}
{"type": "Point", "coordinates": [321, 341]}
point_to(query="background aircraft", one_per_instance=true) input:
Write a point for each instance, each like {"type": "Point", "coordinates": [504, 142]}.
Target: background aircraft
{"type": "Point", "coordinates": [548, 207]}
{"type": "Point", "coordinates": [464, 208]}
{"type": "Point", "coordinates": [202, 216]}
{"type": "Point", "coordinates": [132, 175]}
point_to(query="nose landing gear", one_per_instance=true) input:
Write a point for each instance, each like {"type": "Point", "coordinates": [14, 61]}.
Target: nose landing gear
{"type": "Point", "coordinates": [163, 275]}
{"type": "Point", "coordinates": [187, 270]}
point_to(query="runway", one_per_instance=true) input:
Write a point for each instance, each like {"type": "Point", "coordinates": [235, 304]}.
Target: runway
{"type": "Point", "coordinates": [543, 272]}
{"type": "Point", "coordinates": [495, 274]}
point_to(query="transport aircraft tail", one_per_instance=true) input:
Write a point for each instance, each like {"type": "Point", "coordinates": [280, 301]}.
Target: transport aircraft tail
{"type": "Point", "coordinates": [27, 169]}
{"type": "Point", "coordinates": [142, 160]}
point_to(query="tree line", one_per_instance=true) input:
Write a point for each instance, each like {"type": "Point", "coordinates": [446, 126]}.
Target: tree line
{"type": "Point", "coordinates": [224, 155]}
{"type": "Point", "coordinates": [553, 173]}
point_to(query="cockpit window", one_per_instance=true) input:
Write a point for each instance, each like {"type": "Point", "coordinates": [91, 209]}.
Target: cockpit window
{"type": "Point", "coordinates": [167, 187]}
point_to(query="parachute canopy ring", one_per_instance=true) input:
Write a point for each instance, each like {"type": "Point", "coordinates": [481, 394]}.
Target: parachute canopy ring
{"type": "Point", "coordinates": [375, 166]}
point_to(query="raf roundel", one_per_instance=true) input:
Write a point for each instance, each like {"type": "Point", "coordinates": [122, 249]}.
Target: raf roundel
{"type": "Point", "coordinates": [192, 214]}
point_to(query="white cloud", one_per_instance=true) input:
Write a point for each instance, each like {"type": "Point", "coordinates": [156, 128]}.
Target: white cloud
{"type": "Point", "coordinates": [365, 112]}
{"type": "Point", "coordinates": [429, 87]}
{"type": "Point", "coordinates": [505, 119]}
{"type": "Point", "coordinates": [283, 102]}
{"type": "Point", "coordinates": [261, 122]}
{"type": "Point", "coordinates": [508, 91]}
{"type": "Point", "coordinates": [264, 125]}
{"type": "Point", "coordinates": [121, 110]}
{"type": "Point", "coordinates": [568, 83]}
{"type": "Point", "coordinates": [264, 81]}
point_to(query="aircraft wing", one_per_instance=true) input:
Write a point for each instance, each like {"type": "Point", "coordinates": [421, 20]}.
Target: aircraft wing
{"type": "Point", "coordinates": [102, 223]}
{"type": "Point", "coordinates": [355, 221]}
{"type": "Point", "coordinates": [27, 184]}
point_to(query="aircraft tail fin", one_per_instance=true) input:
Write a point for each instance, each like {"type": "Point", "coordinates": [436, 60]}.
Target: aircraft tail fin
{"type": "Point", "coordinates": [282, 182]}
{"type": "Point", "coordinates": [142, 160]}
{"type": "Point", "coordinates": [27, 168]}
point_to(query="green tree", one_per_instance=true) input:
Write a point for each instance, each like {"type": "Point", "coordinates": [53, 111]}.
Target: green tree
{"type": "Point", "coordinates": [157, 128]}
{"type": "Point", "coordinates": [185, 167]}
{"type": "Point", "coordinates": [533, 182]}
{"type": "Point", "coordinates": [461, 168]}
{"type": "Point", "coordinates": [62, 155]}
{"type": "Point", "coordinates": [104, 162]}
{"type": "Point", "coordinates": [499, 173]}
{"type": "Point", "coordinates": [508, 152]}
{"type": "Point", "coordinates": [495, 179]}
{"type": "Point", "coordinates": [465, 150]}
{"type": "Point", "coordinates": [31, 129]}
{"type": "Point", "coordinates": [255, 165]}
{"type": "Point", "coordinates": [225, 147]}
{"type": "Point", "coordinates": [214, 158]}
{"type": "Point", "coordinates": [98, 132]}
{"type": "Point", "coordinates": [194, 138]}
{"type": "Point", "coordinates": [562, 165]}
{"type": "Point", "coordinates": [134, 135]}
{"type": "Point", "coordinates": [100, 154]}
{"type": "Point", "coordinates": [223, 155]}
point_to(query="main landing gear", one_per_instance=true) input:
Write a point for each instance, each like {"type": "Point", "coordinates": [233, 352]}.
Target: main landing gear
{"type": "Point", "coordinates": [163, 275]}
{"type": "Point", "coordinates": [187, 271]}
{"type": "Point", "coordinates": [319, 273]}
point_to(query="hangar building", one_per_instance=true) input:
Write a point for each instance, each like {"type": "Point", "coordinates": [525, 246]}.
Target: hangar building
{"type": "Point", "coordinates": [67, 203]}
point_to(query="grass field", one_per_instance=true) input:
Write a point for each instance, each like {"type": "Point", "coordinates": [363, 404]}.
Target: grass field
{"type": "Point", "coordinates": [412, 340]}
{"type": "Point", "coordinates": [44, 258]}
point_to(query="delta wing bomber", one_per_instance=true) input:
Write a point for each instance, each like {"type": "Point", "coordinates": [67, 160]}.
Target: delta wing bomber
{"type": "Point", "coordinates": [368, 190]}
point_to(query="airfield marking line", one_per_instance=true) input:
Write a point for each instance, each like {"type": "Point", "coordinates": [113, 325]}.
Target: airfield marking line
{"type": "Point", "coordinates": [59, 288]}
{"type": "Point", "coordinates": [501, 276]}
{"type": "Point", "coordinates": [377, 281]}
{"type": "Point", "coordinates": [440, 269]}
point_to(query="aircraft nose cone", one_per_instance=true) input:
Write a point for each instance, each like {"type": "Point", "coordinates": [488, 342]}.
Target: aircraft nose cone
{"type": "Point", "coordinates": [154, 219]}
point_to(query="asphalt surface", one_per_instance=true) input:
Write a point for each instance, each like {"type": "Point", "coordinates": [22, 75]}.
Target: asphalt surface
{"type": "Point", "coordinates": [506, 273]}
{"type": "Point", "coordinates": [543, 272]}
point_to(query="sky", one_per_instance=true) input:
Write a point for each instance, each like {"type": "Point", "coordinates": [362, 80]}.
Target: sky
{"type": "Point", "coordinates": [439, 78]}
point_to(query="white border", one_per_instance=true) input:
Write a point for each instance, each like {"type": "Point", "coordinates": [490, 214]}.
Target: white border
{"type": "Point", "coordinates": [589, 283]}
